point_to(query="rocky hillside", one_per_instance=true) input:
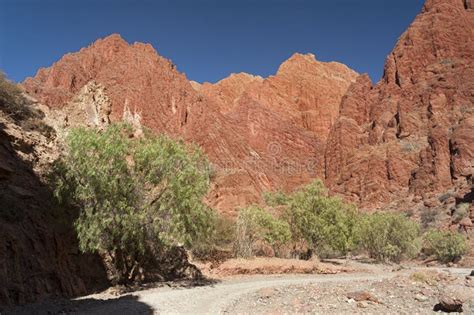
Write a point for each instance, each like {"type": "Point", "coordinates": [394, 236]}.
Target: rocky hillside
{"type": "Point", "coordinates": [399, 143]}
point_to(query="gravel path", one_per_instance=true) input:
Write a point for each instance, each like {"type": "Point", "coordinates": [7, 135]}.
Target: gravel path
{"type": "Point", "coordinates": [215, 298]}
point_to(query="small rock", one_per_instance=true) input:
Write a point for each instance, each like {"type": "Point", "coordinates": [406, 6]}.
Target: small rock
{"type": "Point", "coordinates": [431, 263]}
{"type": "Point", "coordinates": [362, 304]}
{"type": "Point", "coordinates": [466, 222]}
{"type": "Point", "coordinates": [21, 192]}
{"type": "Point", "coordinates": [421, 298]}
{"type": "Point", "coordinates": [359, 296]}
{"type": "Point", "coordinates": [5, 170]}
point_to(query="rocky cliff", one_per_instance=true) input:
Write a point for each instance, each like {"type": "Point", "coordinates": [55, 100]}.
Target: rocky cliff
{"type": "Point", "coordinates": [410, 137]}
{"type": "Point", "coordinates": [399, 142]}
{"type": "Point", "coordinates": [304, 92]}
{"type": "Point", "coordinates": [254, 144]}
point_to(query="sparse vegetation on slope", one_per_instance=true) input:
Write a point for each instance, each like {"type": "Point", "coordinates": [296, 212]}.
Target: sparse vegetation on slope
{"type": "Point", "coordinates": [19, 108]}
{"type": "Point", "coordinates": [12, 101]}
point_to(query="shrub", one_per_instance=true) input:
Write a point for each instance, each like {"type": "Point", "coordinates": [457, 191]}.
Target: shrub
{"type": "Point", "coordinates": [12, 101]}
{"type": "Point", "coordinates": [429, 277]}
{"type": "Point", "coordinates": [410, 147]}
{"type": "Point", "coordinates": [16, 106]}
{"type": "Point", "coordinates": [446, 246]}
{"type": "Point", "coordinates": [325, 223]}
{"type": "Point", "coordinates": [221, 238]}
{"type": "Point", "coordinates": [389, 236]}
{"type": "Point", "coordinates": [256, 224]}
{"type": "Point", "coordinates": [137, 196]}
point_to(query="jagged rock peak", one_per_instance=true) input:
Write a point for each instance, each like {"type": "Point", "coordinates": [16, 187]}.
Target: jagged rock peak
{"type": "Point", "coordinates": [112, 39]}
{"type": "Point", "coordinates": [308, 63]}
{"type": "Point", "coordinates": [240, 77]}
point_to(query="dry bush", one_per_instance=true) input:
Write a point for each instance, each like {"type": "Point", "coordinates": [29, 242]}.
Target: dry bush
{"type": "Point", "coordinates": [429, 217]}
{"type": "Point", "coordinates": [460, 212]}
{"type": "Point", "coordinates": [17, 107]}
{"type": "Point", "coordinates": [12, 101]}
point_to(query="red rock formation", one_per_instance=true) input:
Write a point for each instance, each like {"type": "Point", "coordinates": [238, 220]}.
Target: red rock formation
{"type": "Point", "coordinates": [252, 147]}
{"type": "Point", "coordinates": [135, 77]}
{"type": "Point", "coordinates": [411, 134]}
{"type": "Point", "coordinates": [407, 137]}
{"type": "Point", "coordinates": [228, 91]}
{"type": "Point", "coordinates": [305, 92]}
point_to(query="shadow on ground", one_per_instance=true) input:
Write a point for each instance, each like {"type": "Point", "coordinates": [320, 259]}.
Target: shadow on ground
{"type": "Point", "coordinates": [128, 304]}
{"type": "Point", "coordinates": [176, 284]}
{"type": "Point", "coordinates": [125, 304]}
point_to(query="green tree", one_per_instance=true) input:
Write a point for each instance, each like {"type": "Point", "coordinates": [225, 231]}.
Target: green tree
{"type": "Point", "coordinates": [256, 224]}
{"type": "Point", "coordinates": [389, 236]}
{"type": "Point", "coordinates": [326, 223]}
{"type": "Point", "coordinates": [446, 246]}
{"type": "Point", "coordinates": [136, 195]}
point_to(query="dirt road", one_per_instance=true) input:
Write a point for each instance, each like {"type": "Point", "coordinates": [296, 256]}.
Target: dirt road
{"type": "Point", "coordinates": [267, 294]}
{"type": "Point", "coordinates": [214, 299]}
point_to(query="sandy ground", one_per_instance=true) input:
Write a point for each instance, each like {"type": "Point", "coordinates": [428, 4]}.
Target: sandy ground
{"type": "Point", "coordinates": [391, 291]}
{"type": "Point", "coordinates": [272, 266]}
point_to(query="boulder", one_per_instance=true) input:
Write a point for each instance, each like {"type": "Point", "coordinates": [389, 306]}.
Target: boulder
{"type": "Point", "coordinates": [449, 304]}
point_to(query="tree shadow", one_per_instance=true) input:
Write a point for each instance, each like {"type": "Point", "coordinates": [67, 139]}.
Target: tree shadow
{"type": "Point", "coordinates": [175, 284]}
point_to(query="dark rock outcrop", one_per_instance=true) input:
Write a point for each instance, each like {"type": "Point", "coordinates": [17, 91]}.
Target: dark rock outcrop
{"type": "Point", "coordinates": [39, 254]}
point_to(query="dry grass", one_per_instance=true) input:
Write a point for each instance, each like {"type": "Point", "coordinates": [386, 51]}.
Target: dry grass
{"type": "Point", "coordinates": [430, 277]}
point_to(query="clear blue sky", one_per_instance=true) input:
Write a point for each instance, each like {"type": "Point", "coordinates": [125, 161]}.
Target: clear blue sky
{"type": "Point", "coordinates": [207, 39]}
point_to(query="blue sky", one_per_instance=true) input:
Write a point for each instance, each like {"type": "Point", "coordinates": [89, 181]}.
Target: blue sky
{"type": "Point", "coordinates": [207, 39]}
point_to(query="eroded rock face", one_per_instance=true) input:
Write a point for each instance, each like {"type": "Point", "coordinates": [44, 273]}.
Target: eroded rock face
{"type": "Point", "coordinates": [252, 146]}
{"type": "Point", "coordinates": [90, 107]}
{"type": "Point", "coordinates": [411, 134]}
{"type": "Point", "coordinates": [304, 92]}
{"type": "Point", "coordinates": [227, 92]}
{"type": "Point", "coordinates": [404, 139]}
{"type": "Point", "coordinates": [134, 77]}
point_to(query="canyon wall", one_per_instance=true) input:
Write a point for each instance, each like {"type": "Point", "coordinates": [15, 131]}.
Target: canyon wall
{"type": "Point", "coordinates": [403, 140]}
